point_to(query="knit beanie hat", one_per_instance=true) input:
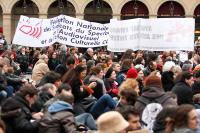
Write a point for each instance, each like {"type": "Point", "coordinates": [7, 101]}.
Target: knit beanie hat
{"type": "Point", "coordinates": [132, 73]}
{"type": "Point", "coordinates": [153, 81]}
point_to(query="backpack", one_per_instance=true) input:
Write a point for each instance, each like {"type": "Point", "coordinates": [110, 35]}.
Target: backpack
{"type": "Point", "coordinates": [151, 110]}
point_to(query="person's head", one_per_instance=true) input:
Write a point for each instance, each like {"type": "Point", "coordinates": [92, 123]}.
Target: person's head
{"type": "Point", "coordinates": [177, 70]}
{"type": "Point", "coordinates": [131, 115]}
{"type": "Point", "coordinates": [186, 116]}
{"type": "Point", "coordinates": [90, 51]}
{"type": "Point", "coordinates": [97, 71]}
{"type": "Point", "coordinates": [70, 62]}
{"type": "Point", "coordinates": [54, 55]}
{"type": "Point", "coordinates": [187, 67]}
{"type": "Point", "coordinates": [128, 96]}
{"type": "Point", "coordinates": [139, 54]}
{"type": "Point", "coordinates": [127, 64]}
{"type": "Point", "coordinates": [132, 73]}
{"type": "Point", "coordinates": [140, 74]}
{"type": "Point", "coordinates": [168, 66]}
{"type": "Point", "coordinates": [66, 97]}
{"type": "Point", "coordinates": [116, 67]}
{"type": "Point", "coordinates": [139, 60]}
{"type": "Point", "coordinates": [166, 115]}
{"type": "Point", "coordinates": [50, 88]}
{"type": "Point", "coordinates": [185, 77]}
{"type": "Point", "coordinates": [152, 65]}
{"type": "Point", "coordinates": [23, 50]}
{"type": "Point", "coordinates": [64, 88]}
{"type": "Point", "coordinates": [73, 50]}
{"type": "Point", "coordinates": [44, 57]}
{"type": "Point", "coordinates": [90, 64]}
{"type": "Point", "coordinates": [112, 122]}
{"type": "Point", "coordinates": [51, 77]}
{"type": "Point", "coordinates": [130, 84]}
{"type": "Point", "coordinates": [109, 61]}
{"type": "Point", "coordinates": [110, 74]}
{"type": "Point", "coordinates": [78, 73]}
{"type": "Point", "coordinates": [82, 60]}
{"type": "Point", "coordinates": [153, 81]}
{"type": "Point", "coordinates": [127, 55]}
{"type": "Point", "coordinates": [29, 93]}
{"type": "Point", "coordinates": [155, 73]}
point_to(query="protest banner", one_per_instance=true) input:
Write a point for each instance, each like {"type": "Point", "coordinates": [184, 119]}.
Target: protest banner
{"type": "Point", "coordinates": [166, 34]}
{"type": "Point", "coordinates": [34, 32]}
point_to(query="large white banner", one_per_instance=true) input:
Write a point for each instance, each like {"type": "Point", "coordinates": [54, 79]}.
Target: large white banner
{"type": "Point", "coordinates": [152, 34]}
{"type": "Point", "coordinates": [34, 32]}
{"type": "Point", "coordinates": [138, 34]}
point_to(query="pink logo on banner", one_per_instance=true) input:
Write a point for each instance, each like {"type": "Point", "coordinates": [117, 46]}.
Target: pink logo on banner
{"type": "Point", "coordinates": [31, 31]}
{"type": "Point", "coordinates": [34, 31]}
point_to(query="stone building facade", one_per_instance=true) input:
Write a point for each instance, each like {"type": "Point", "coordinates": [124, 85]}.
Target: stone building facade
{"type": "Point", "coordinates": [95, 10]}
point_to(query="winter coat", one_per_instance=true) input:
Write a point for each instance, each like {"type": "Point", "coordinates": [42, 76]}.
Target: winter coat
{"type": "Point", "coordinates": [43, 97]}
{"type": "Point", "coordinates": [78, 91]}
{"type": "Point", "coordinates": [52, 63]}
{"type": "Point", "coordinates": [147, 71]}
{"type": "Point", "coordinates": [13, 80]}
{"type": "Point", "coordinates": [58, 119]}
{"type": "Point", "coordinates": [39, 70]}
{"type": "Point", "coordinates": [16, 114]}
{"type": "Point", "coordinates": [23, 60]}
{"type": "Point", "coordinates": [195, 87]}
{"type": "Point", "coordinates": [168, 80]}
{"type": "Point", "coordinates": [111, 87]}
{"type": "Point", "coordinates": [153, 93]}
{"type": "Point", "coordinates": [87, 56]}
{"type": "Point", "coordinates": [120, 78]}
{"type": "Point", "coordinates": [183, 92]}
{"type": "Point", "coordinates": [100, 89]}
{"type": "Point", "coordinates": [61, 69]}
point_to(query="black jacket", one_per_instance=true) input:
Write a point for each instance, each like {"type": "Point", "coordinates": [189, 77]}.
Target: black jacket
{"type": "Point", "coordinates": [168, 80]}
{"type": "Point", "coordinates": [87, 56]}
{"type": "Point", "coordinates": [16, 113]}
{"type": "Point", "coordinates": [42, 99]}
{"type": "Point", "coordinates": [183, 92]}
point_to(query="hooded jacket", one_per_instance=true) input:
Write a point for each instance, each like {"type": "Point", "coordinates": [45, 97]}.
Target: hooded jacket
{"type": "Point", "coordinates": [153, 93]}
{"type": "Point", "coordinates": [58, 119]}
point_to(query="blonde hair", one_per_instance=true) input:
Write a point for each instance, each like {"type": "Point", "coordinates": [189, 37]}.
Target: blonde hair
{"type": "Point", "coordinates": [129, 83]}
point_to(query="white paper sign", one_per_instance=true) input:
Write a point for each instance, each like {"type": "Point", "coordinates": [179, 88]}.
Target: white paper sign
{"type": "Point", "coordinates": [34, 32]}
{"type": "Point", "coordinates": [183, 56]}
{"type": "Point", "coordinates": [152, 34]}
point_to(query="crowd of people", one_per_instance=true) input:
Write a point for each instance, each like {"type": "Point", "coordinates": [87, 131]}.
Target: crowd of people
{"type": "Point", "coordinates": [96, 91]}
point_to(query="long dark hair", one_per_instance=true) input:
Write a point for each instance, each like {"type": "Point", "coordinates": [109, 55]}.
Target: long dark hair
{"type": "Point", "coordinates": [73, 74]}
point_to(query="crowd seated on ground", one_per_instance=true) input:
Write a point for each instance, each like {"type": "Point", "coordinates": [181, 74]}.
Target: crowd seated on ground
{"type": "Point", "coordinates": [72, 92]}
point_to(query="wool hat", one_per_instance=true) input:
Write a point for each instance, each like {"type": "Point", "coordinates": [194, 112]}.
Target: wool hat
{"type": "Point", "coordinates": [153, 81]}
{"type": "Point", "coordinates": [111, 122]}
{"type": "Point", "coordinates": [168, 65]}
{"type": "Point", "coordinates": [132, 73]}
